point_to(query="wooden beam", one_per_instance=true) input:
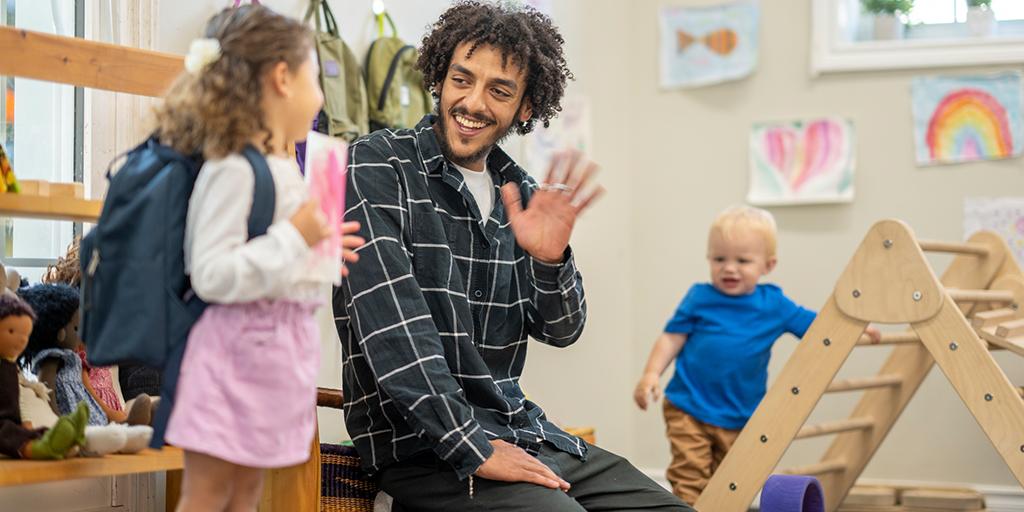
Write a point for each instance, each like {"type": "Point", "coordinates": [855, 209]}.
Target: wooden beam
{"type": "Point", "coordinates": [73, 61]}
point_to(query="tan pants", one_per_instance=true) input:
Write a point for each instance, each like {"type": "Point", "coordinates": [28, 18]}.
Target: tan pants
{"type": "Point", "coordinates": [697, 450]}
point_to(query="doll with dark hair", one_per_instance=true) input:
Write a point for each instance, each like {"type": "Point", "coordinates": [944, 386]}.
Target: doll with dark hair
{"type": "Point", "coordinates": [51, 348]}
{"type": "Point", "coordinates": [18, 439]}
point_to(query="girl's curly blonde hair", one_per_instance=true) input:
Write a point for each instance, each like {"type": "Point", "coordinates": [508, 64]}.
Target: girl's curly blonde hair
{"type": "Point", "coordinates": [217, 110]}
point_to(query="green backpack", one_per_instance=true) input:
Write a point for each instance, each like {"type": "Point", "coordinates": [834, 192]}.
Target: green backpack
{"type": "Point", "coordinates": [398, 98]}
{"type": "Point", "coordinates": [345, 104]}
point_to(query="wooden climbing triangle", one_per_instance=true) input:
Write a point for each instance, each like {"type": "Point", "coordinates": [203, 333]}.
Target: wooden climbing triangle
{"type": "Point", "coordinates": [954, 322]}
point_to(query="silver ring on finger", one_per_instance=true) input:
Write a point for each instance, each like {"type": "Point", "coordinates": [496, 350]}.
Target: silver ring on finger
{"type": "Point", "coordinates": [561, 187]}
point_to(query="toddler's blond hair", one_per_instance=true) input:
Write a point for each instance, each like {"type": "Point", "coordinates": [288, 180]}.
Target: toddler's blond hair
{"type": "Point", "coordinates": [746, 218]}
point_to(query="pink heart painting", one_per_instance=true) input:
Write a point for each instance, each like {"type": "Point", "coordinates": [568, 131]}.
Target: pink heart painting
{"type": "Point", "coordinates": [801, 162]}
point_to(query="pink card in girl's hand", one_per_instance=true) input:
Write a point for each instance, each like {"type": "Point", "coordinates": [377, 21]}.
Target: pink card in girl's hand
{"type": "Point", "coordinates": [326, 160]}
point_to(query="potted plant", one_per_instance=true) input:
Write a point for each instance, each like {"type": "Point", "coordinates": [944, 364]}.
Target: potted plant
{"type": "Point", "coordinates": [981, 20]}
{"type": "Point", "coordinates": [888, 16]}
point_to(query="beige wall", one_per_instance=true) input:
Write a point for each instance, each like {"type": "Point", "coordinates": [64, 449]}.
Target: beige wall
{"type": "Point", "coordinates": [688, 159]}
{"type": "Point", "coordinates": [671, 161]}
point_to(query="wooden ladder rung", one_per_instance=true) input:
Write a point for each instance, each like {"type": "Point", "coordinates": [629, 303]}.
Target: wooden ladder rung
{"type": "Point", "coordinates": [980, 295]}
{"type": "Point", "coordinates": [878, 381]}
{"type": "Point", "coordinates": [1010, 329]}
{"type": "Point", "coordinates": [828, 466]}
{"type": "Point", "coordinates": [895, 338]}
{"type": "Point", "coordinates": [834, 427]}
{"type": "Point", "coordinates": [954, 247]}
{"type": "Point", "coordinates": [992, 317]}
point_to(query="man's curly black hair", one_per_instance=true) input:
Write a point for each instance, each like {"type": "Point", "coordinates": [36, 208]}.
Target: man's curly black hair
{"type": "Point", "coordinates": [55, 305]}
{"type": "Point", "coordinates": [525, 38]}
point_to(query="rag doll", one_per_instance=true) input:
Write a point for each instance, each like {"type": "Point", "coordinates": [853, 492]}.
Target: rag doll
{"type": "Point", "coordinates": [51, 353]}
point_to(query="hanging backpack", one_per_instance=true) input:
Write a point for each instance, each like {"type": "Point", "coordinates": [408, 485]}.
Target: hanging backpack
{"type": "Point", "coordinates": [345, 104]}
{"type": "Point", "coordinates": [137, 302]}
{"type": "Point", "coordinates": [398, 97]}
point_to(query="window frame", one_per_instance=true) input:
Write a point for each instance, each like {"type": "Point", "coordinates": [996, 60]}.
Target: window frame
{"type": "Point", "coordinates": [78, 163]}
{"type": "Point", "coordinates": [831, 55]}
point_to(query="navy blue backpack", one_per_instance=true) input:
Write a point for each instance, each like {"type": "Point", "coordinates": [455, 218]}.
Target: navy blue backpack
{"type": "Point", "coordinates": [137, 303]}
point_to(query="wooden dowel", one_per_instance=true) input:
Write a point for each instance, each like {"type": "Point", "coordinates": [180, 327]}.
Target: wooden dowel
{"type": "Point", "coordinates": [879, 381]}
{"type": "Point", "coordinates": [896, 338]}
{"type": "Point", "coordinates": [828, 466]}
{"type": "Point", "coordinates": [834, 427]}
{"type": "Point", "coordinates": [980, 295]}
{"type": "Point", "coordinates": [954, 247]}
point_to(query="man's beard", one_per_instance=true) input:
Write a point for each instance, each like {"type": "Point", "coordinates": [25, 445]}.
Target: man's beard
{"type": "Point", "coordinates": [446, 149]}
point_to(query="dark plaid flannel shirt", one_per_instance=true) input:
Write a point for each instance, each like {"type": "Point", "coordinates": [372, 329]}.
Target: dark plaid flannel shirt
{"type": "Point", "coordinates": [435, 316]}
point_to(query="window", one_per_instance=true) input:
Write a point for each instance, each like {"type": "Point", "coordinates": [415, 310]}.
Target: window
{"type": "Point", "coordinates": [41, 130]}
{"type": "Point", "coordinates": [935, 33]}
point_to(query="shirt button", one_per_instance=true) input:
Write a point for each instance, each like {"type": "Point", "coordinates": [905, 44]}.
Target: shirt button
{"type": "Point", "coordinates": [478, 294]}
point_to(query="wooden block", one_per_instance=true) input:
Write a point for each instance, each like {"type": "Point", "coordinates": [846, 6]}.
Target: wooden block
{"type": "Point", "coordinates": [873, 496]}
{"type": "Point", "coordinates": [75, 190]}
{"type": "Point", "coordinates": [941, 499]}
{"type": "Point", "coordinates": [34, 187]}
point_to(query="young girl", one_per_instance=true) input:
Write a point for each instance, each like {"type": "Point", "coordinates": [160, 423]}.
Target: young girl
{"type": "Point", "coordinates": [247, 389]}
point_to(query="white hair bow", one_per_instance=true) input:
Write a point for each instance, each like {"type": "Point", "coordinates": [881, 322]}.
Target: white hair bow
{"type": "Point", "coordinates": [201, 53]}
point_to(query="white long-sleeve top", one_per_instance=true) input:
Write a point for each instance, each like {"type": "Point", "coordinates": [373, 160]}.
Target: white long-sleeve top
{"type": "Point", "coordinates": [224, 266]}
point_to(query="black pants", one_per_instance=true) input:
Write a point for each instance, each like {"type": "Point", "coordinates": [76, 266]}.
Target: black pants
{"type": "Point", "coordinates": [605, 482]}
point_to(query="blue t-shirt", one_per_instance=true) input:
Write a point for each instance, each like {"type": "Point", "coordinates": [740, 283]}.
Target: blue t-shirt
{"type": "Point", "coordinates": [722, 371]}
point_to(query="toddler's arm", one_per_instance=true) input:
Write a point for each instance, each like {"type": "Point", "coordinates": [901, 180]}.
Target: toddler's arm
{"type": "Point", "coordinates": [665, 350]}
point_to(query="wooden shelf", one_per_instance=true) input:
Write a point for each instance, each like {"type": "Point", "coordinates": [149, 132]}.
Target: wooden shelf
{"type": "Point", "coordinates": [21, 472]}
{"type": "Point", "coordinates": [46, 207]}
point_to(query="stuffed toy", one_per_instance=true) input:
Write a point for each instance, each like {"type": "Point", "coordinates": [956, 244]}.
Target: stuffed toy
{"type": "Point", "coordinates": [18, 439]}
{"type": "Point", "coordinates": [51, 353]}
{"type": "Point", "coordinates": [111, 394]}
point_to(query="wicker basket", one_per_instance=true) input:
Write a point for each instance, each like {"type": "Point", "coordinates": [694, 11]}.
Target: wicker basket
{"type": "Point", "coordinates": [345, 486]}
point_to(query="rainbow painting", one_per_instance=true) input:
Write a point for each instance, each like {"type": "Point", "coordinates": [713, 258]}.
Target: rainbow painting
{"type": "Point", "coordinates": [801, 162]}
{"type": "Point", "coordinates": [965, 119]}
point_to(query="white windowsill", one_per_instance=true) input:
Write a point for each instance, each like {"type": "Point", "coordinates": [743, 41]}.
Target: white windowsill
{"type": "Point", "coordinates": [829, 54]}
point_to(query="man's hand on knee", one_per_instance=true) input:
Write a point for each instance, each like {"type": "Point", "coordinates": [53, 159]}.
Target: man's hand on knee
{"type": "Point", "coordinates": [510, 463]}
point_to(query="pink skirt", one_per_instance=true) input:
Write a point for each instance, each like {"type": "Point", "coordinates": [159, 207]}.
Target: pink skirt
{"type": "Point", "coordinates": [247, 389]}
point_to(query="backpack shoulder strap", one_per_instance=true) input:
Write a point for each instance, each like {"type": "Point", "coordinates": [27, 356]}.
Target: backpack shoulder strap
{"type": "Point", "coordinates": [262, 213]}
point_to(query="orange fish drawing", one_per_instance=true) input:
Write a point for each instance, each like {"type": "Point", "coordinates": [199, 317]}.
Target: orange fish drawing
{"type": "Point", "coordinates": [722, 41]}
